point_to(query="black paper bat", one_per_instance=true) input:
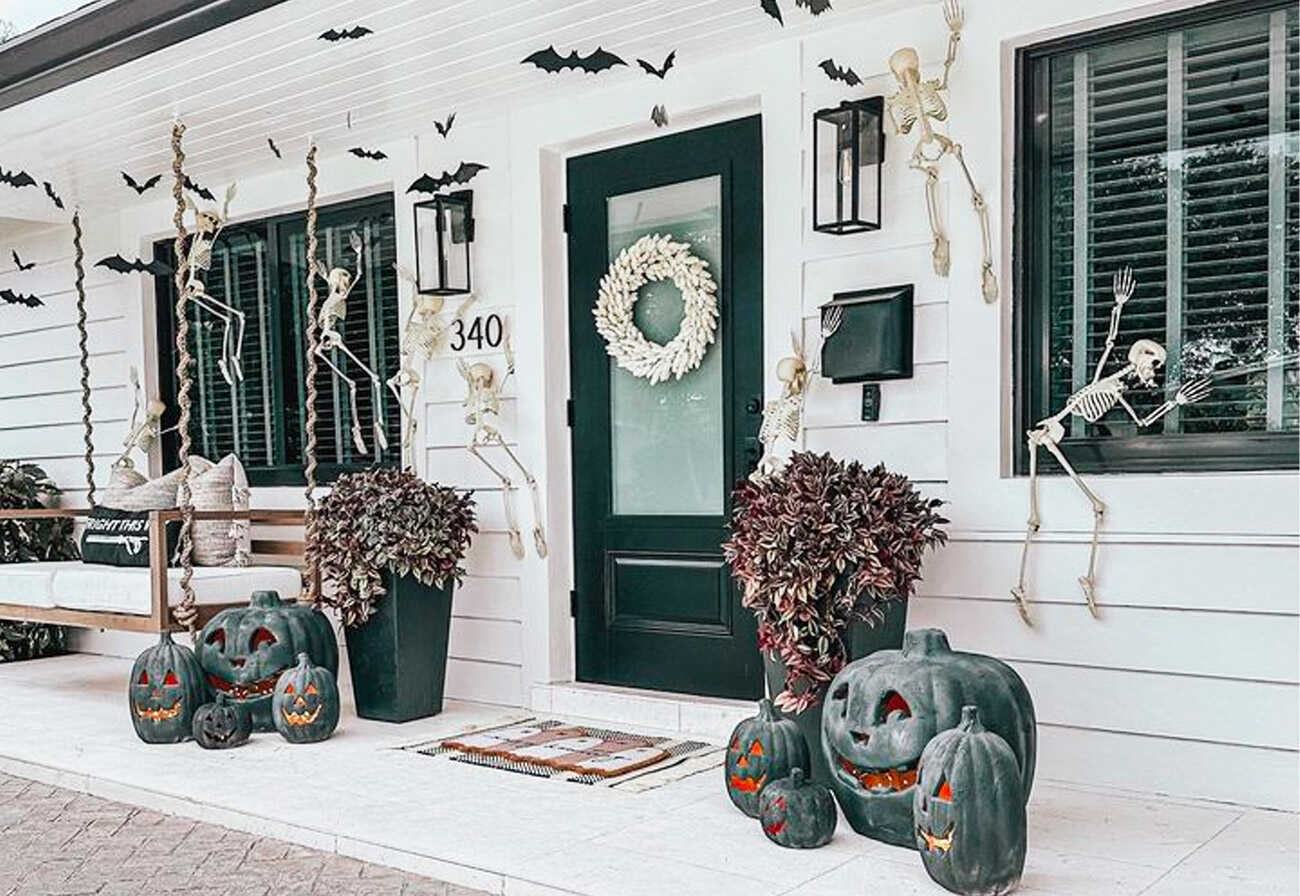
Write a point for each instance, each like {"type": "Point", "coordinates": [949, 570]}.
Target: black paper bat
{"type": "Point", "coordinates": [463, 173]}
{"type": "Point", "coordinates": [550, 61]}
{"type": "Point", "coordinates": [18, 179]}
{"type": "Point", "coordinates": [816, 7]}
{"type": "Point", "coordinates": [201, 192]}
{"type": "Point", "coordinates": [140, 188]}
{"type": "Point", "coordinates": [54, 197]}
{"type": "Point", "coordinates": [444, 127]}
{"type": "Point", "coordinates": [662, 70]}
{"type": "Point", "coordinates": [19, 263]}
{"type": "Point", "coordinates": [275, 149]}
{"type": "Point", "coordinates": [122, 266]}
{"type": "Point", "coordinates": [9, 297]}
{"type": "Point", "coordinates": [835, 73]}
{"type": "Point", "coordinates": [659, 116]}
{"type": "Point", "coordinates": [375, 154]}
{"type": "Point", "coordinates": [772, 9]}
{"type": "Point", "coordinates": [354, 33]}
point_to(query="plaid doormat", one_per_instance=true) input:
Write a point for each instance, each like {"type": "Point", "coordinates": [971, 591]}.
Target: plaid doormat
{"type": "Point", "coordinates": [597, 757]}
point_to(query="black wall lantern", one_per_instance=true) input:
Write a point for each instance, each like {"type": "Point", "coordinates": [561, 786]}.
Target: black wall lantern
{"type": "Point", "coordinates": [444, 230]}
{"type": "Point", "coordinates": [848, 153]}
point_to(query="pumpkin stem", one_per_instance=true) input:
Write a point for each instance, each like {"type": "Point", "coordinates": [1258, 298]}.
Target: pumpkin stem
{"type": "Point", "coordinates": [925, 642]}
{"type": "Point", "coordinates": [766, 711]}
{"type": "Point", "coordinates": [264, 599]}
{"type": "Point", "coordinates": [304, 659]}
{"type": "Point", "coordinates": [970, 720]}
{"type": "Point", "coordinates": [796, 777]}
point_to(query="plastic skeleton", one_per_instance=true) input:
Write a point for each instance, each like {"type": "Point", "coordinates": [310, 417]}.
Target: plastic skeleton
{"type": "Point", "coordinates": [914, 105]}
{"type": "Point", "coordinates": [1091, 403]}
{"type": "Point", "coordinates": [333, 310]}
{"type": "Point", "coordinates": [140, 433]}
{"type": "Point", "coordinates": [207, 227]}
{"type": "Point", "coordinates": [482, 411]}
{"type": "Point", "coordinates": [783, 416]}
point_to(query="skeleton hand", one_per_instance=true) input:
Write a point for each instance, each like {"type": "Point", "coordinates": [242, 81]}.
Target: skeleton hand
{"type": "Point", "coordinates": [953, 15]}
{"type": "Point", "coordinates": [1123, 285]}
{"type": "Point", "coordinates": [1190, 393]}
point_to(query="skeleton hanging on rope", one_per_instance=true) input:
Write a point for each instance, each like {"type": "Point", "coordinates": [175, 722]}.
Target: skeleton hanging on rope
{"type": "Point", "coordinates": [483, 411]}
{"type": "Point", "coordinates": [208, 225]}
{"type": "Point", "coordinates": [916, 103]}
{"type": "Point", "coordinates": [141, 433]}
{"type": "Point", "coordinates": [1091, 403]}
{"type": "Point", "coordinates": [783, 416]}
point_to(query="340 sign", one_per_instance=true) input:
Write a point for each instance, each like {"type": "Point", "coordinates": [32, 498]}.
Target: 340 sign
{"type": "Point", "coordinates": [483, 331]}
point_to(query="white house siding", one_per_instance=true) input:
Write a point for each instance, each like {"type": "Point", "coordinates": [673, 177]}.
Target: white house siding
{"type": "Point", "coordinates": [1188, 682]}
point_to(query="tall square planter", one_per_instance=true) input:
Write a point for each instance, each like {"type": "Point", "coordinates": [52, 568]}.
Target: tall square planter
{"type": "Point", "coordinates": [398, 657]}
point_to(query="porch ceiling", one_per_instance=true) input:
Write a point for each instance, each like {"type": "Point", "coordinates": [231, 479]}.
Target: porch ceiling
{"type": "Point", "coordinates": [268, 75]}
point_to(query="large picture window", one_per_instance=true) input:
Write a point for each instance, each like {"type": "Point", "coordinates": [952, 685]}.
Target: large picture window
{"type": "Point", "coordinates": [1168, 145]}
{"type": "Point", "coordinates": [259, 268]}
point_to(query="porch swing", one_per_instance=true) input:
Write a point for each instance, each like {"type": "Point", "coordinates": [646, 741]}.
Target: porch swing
{"type": "Point", "coordinates": [144, 599]}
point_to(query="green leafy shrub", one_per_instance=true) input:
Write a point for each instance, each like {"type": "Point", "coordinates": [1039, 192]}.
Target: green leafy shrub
{"type": "Point", "coordinates": [26, 487]}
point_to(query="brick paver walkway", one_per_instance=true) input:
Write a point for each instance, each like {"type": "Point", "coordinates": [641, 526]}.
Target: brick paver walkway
{"type": "Point", "coordinates": [56, 842]}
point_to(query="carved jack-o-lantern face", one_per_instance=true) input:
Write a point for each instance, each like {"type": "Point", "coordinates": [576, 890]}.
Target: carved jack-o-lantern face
{"type": "Point", "coordinates": [761, 750]}
{"type": "Point", "coordinates": [797, 813]}
{"type": "Point", "coordinates": [221, 725]}
{"type": "Point", "coordinates": [165, 689]}
{"type": "Point", "coordinates": [305, 707]}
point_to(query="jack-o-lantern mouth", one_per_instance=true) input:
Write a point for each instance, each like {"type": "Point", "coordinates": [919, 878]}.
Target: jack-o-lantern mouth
{"type": "Point", "coordinates": [775, 828]}
{"type": "Point", "coordinates": [158, 715]}
{"type": "Point", "coordinates": [254, 691]}
{"type": "Point", "coordinates": [301, 718]}
{"type": "Point", "coordinates": [748, 785]}
{"type": "Point", "coordinates": [934, 843]}
{"type": "Point", "coordinates": [879, 780]}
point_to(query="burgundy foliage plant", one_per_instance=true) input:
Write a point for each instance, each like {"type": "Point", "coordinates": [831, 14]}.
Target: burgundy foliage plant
{"type": "Point", "coordinates": [820, 544]}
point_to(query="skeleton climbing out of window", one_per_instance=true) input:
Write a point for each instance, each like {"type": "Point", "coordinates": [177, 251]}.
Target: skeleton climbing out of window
{"type": "Point", "coordinates": [333, 310]}
{"type": "Point", "coordinates": [208, 224]}
{"type": "Point", "coordinates": [783, 416]}
{"type": "Point", "coordinates": [483, 412]}
{"type": "Point", "coordinates": [917, 103]}
{"type": "Point", "coordinates": [1091, 403]}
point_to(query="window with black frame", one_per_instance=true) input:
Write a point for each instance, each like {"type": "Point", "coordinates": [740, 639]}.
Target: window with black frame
{"type": "Point", "coordinates": [1169, 145]}
{"type": "Point", "coordinates": [259, 268]}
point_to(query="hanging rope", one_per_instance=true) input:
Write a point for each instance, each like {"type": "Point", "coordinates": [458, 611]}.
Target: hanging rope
{"type": "Point", "coordinates": [311, 594]}
{"type": "Point", "coordinates": [78, 262]}
{"type": "Point", "coordinates": [184, 612]}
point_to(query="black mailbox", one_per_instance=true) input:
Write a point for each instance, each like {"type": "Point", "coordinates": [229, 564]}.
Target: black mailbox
{"type": "Point", "coordinates": [867, 335]}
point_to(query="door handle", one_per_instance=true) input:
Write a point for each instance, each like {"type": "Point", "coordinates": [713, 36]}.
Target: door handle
{"type": "Point", "coordinates": [753, 451]}
{"type": "Point", "coordinates": [754, 406]}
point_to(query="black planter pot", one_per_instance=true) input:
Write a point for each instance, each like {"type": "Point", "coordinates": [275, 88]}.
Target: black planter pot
{"type": "Point", "coordinates": [398, 657]}
{"type": "Point", "coordinates": [862, 641]}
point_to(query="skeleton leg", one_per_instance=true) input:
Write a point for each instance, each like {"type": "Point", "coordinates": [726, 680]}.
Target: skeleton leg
{"type": "Point", "coordinates": [1088, 582]}
{"type": "Point", "coordinates": [539, 531]}
{"type": "Point", "coordinates": [358, 441]}
{"type": "Point", "coordinates": [377, 403]}
{"type": "Point", "coordinates": [407, 405]}
{"type": "Point", "coordinates": [1031, 527]}
{"type": "Point", "coordinates": [989, 282]}
{"type": "Point", "coordinates": [231, 362]}
{"type": "Point", "coordinates": [507, 497]}
{"type": "Point", "coordinates": [940, 252]}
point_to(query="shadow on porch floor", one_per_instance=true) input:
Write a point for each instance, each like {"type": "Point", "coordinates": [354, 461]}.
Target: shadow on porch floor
{"type": "Point", "coordinates": [65, 723]}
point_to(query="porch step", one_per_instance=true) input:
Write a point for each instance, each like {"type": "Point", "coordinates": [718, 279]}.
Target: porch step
{"type": "Point", "coordinates": [707, 718]}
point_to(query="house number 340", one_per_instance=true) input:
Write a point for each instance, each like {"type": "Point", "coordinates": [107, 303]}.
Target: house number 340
{"type": "Point", "coordinates": [481, 331]}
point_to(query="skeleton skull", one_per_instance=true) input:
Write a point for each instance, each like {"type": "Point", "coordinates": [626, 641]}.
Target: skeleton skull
{"type": "Point", "coordinates": [206, 222]}
{"type": "Point", "coordinates": [1146, 356]}
{"type": "Point", "coordinates": [906, 65]}
{"type": "Point", "coordinates": [792, 372]}
{"type": "Point", "coordinates": [340, 280]}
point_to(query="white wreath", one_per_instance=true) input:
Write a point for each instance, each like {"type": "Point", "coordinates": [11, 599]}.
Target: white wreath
{"type": "Point", "coordinates": [657, 257]}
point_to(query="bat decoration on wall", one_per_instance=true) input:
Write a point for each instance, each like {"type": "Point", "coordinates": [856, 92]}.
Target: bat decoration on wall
{"type": "Point", "coordinates": [122, 266]}
{"type": "Point", "coordinates": [835, 73]}
{"type": "Point", "coordinates": [201, 192]}
{"type": "Point", "coordinates": [816, 7]}
{"type": "Point", "coordinates": [16, 179]}
{"type": "Point", "coordinates": [140, 188]}
{"type": "Point", "coordinates": [54, 197]}
{"type": "Point", "coordinates": [275, 149]}
{"type": "Point", "coordinates": [550, 61]}
{"type": "Point", "coordinates": [662, 70]}
{"type": "Point", "coordinates": [18, 262]}
{"type": "Point", "coordinates": [773, 9]}
{"type": "Point", "coordinates": [375, 154]}
{"type": "Point", "coordinates": [463, 173]}
{"type": "Point", "coordinates": [9, 297]}
{"type": "Point", "coordinates": [659, 116]}
{"type": "Point", "coordinates": [444, 127]}
{"type": "Point", "coordinates": [354, 33]}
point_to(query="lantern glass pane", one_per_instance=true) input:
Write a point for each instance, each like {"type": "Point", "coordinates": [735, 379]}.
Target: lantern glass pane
{"type": "Point", "coordinates": [455, 245]}
{"type": "Point", "coordinates": [868, 186]}
{"type": "Point", "coordinates": [834, 167]}
{"type": "Point", "coordinates": [426, 248]}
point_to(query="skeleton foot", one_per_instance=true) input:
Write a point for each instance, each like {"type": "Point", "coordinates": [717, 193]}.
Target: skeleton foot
{"type": "Point", "coordinates": [357, 441]}
{"type": "Point", "coordinates": [225, 371]}
{"type": "Point", "coordinates": [1022, 604]}
{"type": "Point", "coordinates": [381, 440]}
{"type": "Point", "coordinates": [990, 284]}
{"type": "Point", "coordinates": [1090, 595]}
{"type": "Point", "coordinates": [539, 540]}
{"type": "Point", "coordinates": [941, 255]}
{"type": "Point", "coordinates": [516, 544]}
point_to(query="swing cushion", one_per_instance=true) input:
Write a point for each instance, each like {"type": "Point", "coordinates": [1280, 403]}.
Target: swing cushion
{"type": "Point", "coordinates": [29, 584]}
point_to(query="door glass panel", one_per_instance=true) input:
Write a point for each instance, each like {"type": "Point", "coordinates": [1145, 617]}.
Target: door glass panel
{"type": "Point", "coordinates": [667, 439]}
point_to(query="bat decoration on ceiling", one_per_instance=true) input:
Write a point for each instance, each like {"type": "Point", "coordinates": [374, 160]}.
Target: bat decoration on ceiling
{"type": "Point", "coordinates": [659, 116]}
{"type": "Point", "coordinates": [550, 61]}
{"type": "Point", "coordinates": [9, 297]}
{"type": "Point", "coordinates": [201, 192]}
{"type": "Point", "coordinates": [140, 188]}
{"type": "Point", "coordinates": [275, 149]}
{"type": "Point", "coordinates": [773, 9]}
{"type": "Point", "coordinates": [835, 73]}
{"type": "Point", "coordinates": [354, 33]}
{"type": "Point", "coordinates": [16, 179]}
{"type": "Point", "coordinates": [18, 263]}
{"type": "Point", "coordinates": [122, 266]}
{"type": "Point", "coordinates": [444, 127]}
{"type": "Point", "coordinates": [54, 197]}
{"type": "Point", "coordinates": [662, 70]}
{"type": "Point", "coordinates": [816, 7]}
{"type": "Point", "coordinates": [463, 173]}
{"type": "Point", "coordinates": [375, 154]}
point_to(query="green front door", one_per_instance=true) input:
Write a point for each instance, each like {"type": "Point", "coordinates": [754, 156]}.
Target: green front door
{"type": "Point", "coordinates": [653, 465]}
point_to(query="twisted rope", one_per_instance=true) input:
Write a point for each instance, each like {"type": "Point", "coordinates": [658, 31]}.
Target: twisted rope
{"type": "Point", "coordinates": [78, 261]}
{"type": "Point", "coordinates": [185, 612]}
{"type": "Point", "coordinates": [311, 594]}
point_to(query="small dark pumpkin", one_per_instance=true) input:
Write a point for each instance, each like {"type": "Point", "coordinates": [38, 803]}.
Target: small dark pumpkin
{"type": "Point", "coordinates": [762, 749]}
{"type": "Point", "coordinates": [221, 725]}
{"type": "Point", "coordinates": [970, 811]}
{"type": "Point", "coordinates": [797, 813]}
{"type": "Point", "coordinates": [166, 688]}
{"type": "Point", "coordinates": [883, 709]}
{"type": "Point", "coordinates": [305, 706]}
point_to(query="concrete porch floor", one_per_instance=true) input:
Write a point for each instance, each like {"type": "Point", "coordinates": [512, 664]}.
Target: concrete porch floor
{"type": "Point", "coordinates": [64, 722]}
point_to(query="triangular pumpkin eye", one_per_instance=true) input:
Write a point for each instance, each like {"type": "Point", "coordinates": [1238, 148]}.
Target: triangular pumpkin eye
{"type": "Point", "coordinates": [217, 638]}
{"type": "Point", "coordinates": [311, 688]}
{"type": "Point", "coordinates": [944, 792]}
{"type": "Point", "coordinates": [144, 678]}
{"type": "Point", "coordinates": [288, 688]}
{"type": "Point", "coordinates": [261, 635]}
{"type": "Point", "coordinates": [756, 749]}
{"type": "Point", "coordinates": [893, 703]}
{"type": "Point", "coordinates": [170, 680]}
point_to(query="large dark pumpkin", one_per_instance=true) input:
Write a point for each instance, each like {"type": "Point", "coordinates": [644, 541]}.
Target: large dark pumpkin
{"type": "Point", "coordinates": [243, 650]}
{"type": "Point", "coordinates": [762, 749]}
{"type": "Point", "coordinates": [221, 725]}
{"type": "Point", "coordinates": [969, 810]}
{"type": "Point", "coordinates": [305, 705]}
{"type": "Point", "coordinates": [797, 813]}
{"type": "Point", "coordinates": [882, 710]}
{"type": "Point", "coordinates": [166, 688]}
